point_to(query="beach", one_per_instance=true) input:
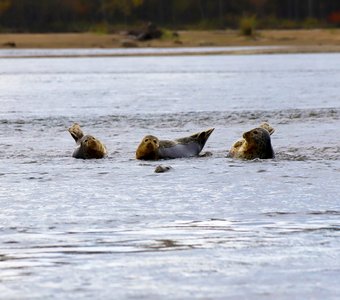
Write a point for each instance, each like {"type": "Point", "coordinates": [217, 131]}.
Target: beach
{"type": "Point", "coordinates": [288, 41]}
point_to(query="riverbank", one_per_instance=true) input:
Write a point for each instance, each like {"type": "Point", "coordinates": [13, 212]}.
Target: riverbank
{"type": "Point", "coordinates": [317, 40]}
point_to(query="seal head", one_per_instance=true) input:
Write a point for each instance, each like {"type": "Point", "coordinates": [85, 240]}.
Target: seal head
{"type": "Point", "coordinates": [88, 146]}
{"type": "Point", "coordinates": [148, 148]}
{"type": "Point", "coordinates": [256, 143]}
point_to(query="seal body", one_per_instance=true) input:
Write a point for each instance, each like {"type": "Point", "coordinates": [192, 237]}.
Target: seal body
{"type": "Point", "coordinates": [151, 148]}
{"type": "Point", "coordinates": [256, 143]}
{"type": "Point", "coordinates": [88, 146]}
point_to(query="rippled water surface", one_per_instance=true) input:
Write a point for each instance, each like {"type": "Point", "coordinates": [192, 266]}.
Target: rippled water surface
{"type": "Point", "coordinates": [6, 53]}
{"type": "Point", "coordinates": [212, 227]}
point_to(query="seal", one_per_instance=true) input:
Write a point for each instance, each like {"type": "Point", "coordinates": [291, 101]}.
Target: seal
{"type": "Point", "coordinates": [88, 146]}
{"type": "Point", "coordinates": [256, 143]}
{"type": "Point", "coordinates": [151, 148]}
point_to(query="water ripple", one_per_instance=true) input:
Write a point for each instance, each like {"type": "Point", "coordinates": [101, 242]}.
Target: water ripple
{"type": "Point", "coordinates": [211, 118]}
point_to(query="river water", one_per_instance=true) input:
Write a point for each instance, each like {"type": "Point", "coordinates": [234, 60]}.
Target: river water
{"type": "Point", "coordinates": [212, 227]}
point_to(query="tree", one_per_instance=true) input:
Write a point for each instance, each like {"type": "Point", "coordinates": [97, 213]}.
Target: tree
{"type": "Point", "coordinates": [4, 5]}
{"type": "Point", "coordinates": [125, 7]}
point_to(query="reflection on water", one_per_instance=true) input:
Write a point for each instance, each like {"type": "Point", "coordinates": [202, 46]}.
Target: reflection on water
{"type": "Point", "coordinates": [213, 227]}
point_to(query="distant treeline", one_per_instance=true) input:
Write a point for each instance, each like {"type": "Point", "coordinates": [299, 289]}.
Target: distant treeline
{"type": "Point", "coordinates": [104, 15]}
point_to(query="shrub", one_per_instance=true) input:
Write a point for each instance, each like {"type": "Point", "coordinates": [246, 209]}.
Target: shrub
{"type": "Point", "coordinates": [334, 18]}
{"type": "Point", "coordinates": [248, 25]}
{"type": "Point", "coordinates": [311, 23]}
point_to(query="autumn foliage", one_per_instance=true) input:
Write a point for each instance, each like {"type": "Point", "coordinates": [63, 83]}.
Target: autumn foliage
{"type": "Point", "coordinates": [85, 15]}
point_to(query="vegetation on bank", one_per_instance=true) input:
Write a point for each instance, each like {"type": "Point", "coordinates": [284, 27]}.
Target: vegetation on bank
{"type": "Point", "coordinates": [105, 16]}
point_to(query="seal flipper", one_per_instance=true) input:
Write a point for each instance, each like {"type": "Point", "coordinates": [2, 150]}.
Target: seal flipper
{"type": "Point", "coordinates": [267, 126]}
{"type": "Point", "coordinates": [76, 132]}
{"type": "Point", "coordinates": [204, 135]}
{"type": "Point", "coordinates": [185, 147]}
{"type": "Point", "coordinates": [200, 138]}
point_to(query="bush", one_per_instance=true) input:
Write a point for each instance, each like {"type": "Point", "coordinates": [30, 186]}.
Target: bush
{"type": "Point", "coordinates": [248, 26]}
{"type": "Point", "coordinates": [334, 18]}
{"type": "Point", "coordinates": [310, 23]}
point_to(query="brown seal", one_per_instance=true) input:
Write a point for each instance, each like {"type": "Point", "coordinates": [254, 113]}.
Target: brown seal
{"type": "Point", "coordinates": [256, 143]}
{"type": "Point", "coordinates": [151, 148]}
{"type": "Point", "coordinates": [88, 146]}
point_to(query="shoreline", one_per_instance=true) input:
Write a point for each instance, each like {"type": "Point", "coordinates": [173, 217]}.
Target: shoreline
{"type": "Point", "coordinates": [60, 53]}
{"type": "Point", "coordinates": [264, 42]}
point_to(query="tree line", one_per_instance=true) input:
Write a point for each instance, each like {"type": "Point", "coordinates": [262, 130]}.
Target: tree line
{"type": "Point", "coordinates": [85, 15]}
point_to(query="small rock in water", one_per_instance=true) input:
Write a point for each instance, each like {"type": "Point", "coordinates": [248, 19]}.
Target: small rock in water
{"type": "Point", "coordinates": [206, 154]}
{"type": "Point", "coordinates": [162, 169]}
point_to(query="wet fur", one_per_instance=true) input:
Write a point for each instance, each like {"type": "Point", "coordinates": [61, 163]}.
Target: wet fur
{"type": "Point", "coordinates": [148, 148]}
{"type": "Point", "coordinates": [151, 148]}
{"type": "Point", "coordinates": [88, 146]}
{"type": "Point", "coordinates": [256, 143]}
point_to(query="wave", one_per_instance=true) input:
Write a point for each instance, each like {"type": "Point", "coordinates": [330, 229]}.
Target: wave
{"type": "Point", "coordinates": [210, 118]}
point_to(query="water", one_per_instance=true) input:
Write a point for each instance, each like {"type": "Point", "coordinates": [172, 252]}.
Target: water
{"type": "Point", "coordinates": [128, 51]}
{"type": "Point", "coordinates": [212, 227]}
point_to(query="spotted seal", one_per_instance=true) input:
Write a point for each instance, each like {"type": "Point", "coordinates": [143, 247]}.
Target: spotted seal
{"type": "Point", "coordinates": [256, 143]}
{"type": "Point", "coordinates": [151, 148]}
{"type": "Point", "coordinates": [88, 146]}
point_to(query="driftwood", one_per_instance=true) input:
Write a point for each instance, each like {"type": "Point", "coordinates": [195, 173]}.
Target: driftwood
{"type": "Point", "coordinates": [9, 44]}
{"type": "Point", "coordinates": [150, 32]}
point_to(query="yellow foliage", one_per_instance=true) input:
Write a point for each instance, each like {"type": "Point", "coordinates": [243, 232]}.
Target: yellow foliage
{"type": "Point", "coordinates": [4, 5]}
{"type": "Point", "coordinates": [137, 2]}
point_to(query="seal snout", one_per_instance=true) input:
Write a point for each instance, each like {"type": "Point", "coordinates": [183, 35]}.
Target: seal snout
{"type": "Point", "coordinates": [246, 135]}
{"type": "Point", "coordinates": [151, 142]}
{"type": "Point", "coordinates": [256, 132]}
{"type": "Point", "coordinates": [91, 141]}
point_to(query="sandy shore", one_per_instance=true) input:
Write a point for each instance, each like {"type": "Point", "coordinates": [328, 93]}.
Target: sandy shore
{"type": "Point", "coordinates": [317, 40]}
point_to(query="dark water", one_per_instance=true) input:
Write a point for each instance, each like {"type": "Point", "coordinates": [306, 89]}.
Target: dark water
{"type": "Point", "coordinates": [212, 227]}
